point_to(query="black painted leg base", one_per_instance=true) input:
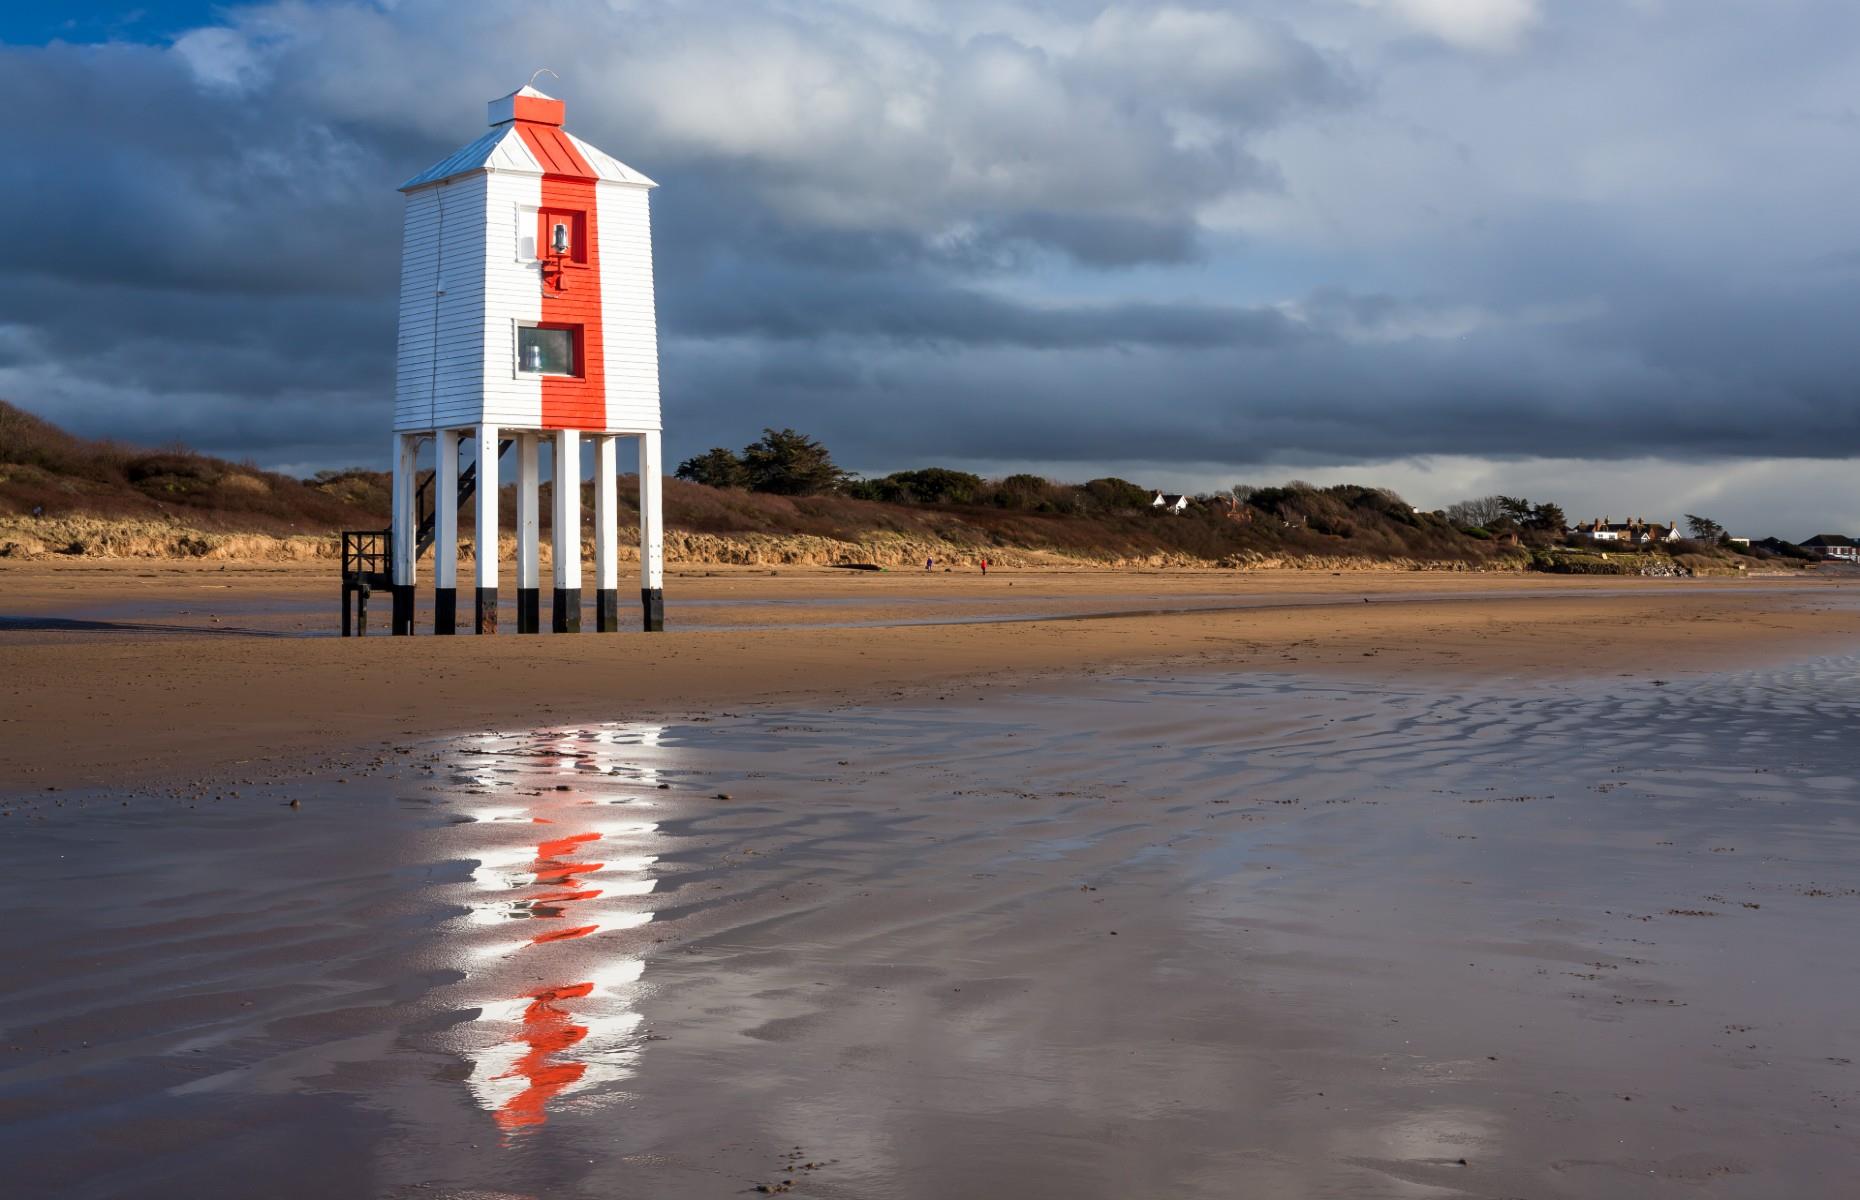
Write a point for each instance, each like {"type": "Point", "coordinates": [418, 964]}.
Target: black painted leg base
{"type": "Point", "coordinates": [445, 610]}
{"type": "Point", "coordinates": [403, 610]}
{"type": "Point", "coordinates": [567, 615]}
{"type": "Point", "coordinates": [607, 611]}
{"type": "Point", "coordinates": [653, 601]}
{"type": "Point", "coordinates": [529, 610]}
{"type": "Point", "coordinates": [487, 610]}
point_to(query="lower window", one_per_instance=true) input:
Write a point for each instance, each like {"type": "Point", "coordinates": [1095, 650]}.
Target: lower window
{"type": "Point", "coordinates": [546, 350]}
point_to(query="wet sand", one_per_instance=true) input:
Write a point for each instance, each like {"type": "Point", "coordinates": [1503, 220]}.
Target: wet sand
{"type": "Point", "coordinates": [1159, 933]}
{"type": "Point", "coordinates": [298, 600]}
{"type": "Point", "coordinates": [188, 675]}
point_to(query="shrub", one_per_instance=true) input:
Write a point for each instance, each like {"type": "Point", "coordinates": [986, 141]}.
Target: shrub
{"type": "Point", "coordinates": [1114, 493]}
{"type": "Point", "coordinates": [716, 467]}
{"type": "Point", "coordinates": [790, 464]}
{"type": "Point", "coordinates": [931, 485]}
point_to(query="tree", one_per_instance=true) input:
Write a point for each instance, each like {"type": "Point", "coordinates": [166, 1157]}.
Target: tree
{"type": "Point", "coordinates": [1517, 509]}
{"type": "Point", "coordinates": [716, 467]}
{"type": "Point", "coordinates": [1112, 492]}
{"type": "Point", "coordinates": [1705, 529]}
{"type": "Point", "coordinates": [790, 464]}
{"type": "Point", "coordinates": [1480, 513]}
{"type": "Point", "coordinates": [1025, 492]}
{"type": "Point", "coordinates": [1547, 517]}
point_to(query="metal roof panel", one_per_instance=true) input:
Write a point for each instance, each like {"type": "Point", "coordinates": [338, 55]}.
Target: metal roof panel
{"type": "Point", "coordinates": [500, 148]}
{"type": "Point", "coordinates": [606, 166]}
{"type": "Point", "coordinates": [546, 151]}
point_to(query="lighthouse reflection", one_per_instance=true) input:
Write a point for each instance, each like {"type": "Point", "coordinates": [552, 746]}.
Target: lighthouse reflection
{"type": "Point", "coordinates": [554, 973]}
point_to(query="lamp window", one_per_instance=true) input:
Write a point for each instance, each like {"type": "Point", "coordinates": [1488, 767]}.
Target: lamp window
{"type": "Point", "coordinates": [562, 235]}
{"type": "Point", "coordinates": [547, 350]}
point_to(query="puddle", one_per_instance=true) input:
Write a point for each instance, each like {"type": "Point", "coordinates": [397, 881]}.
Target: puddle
{"type": "Point", "coordinates": [1153, 936]}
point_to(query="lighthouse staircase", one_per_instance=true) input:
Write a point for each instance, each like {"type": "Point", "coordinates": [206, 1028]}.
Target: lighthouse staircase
{"type": "Point", "coordinates": [368, 554]}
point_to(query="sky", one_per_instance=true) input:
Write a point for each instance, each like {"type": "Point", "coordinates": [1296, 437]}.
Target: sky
{"type": "Point", "coordinates": [1600, 252]}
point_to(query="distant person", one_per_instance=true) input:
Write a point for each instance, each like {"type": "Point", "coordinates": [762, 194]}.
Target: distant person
{"type": "Point", "coordinates": [929, 564]}
{"type": "Point", "coordinates": [38, 510]}
{"type": "Point", "coordinates": [984, 566]}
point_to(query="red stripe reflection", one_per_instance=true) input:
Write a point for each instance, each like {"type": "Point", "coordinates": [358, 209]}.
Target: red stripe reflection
{"type": "Point", "coordinates": [549, 1027]}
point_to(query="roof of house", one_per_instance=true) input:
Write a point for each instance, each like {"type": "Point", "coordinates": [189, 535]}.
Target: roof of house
{"type": "Point", "coordinates": [531, 147]}
{"type": "Point", "coordinates": [1828, 539]}
{"type": "Point", "coordinates": [1605, 525]}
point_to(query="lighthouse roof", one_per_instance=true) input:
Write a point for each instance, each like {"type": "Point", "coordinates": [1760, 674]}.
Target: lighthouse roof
{"type": "Point", "coordinates": [526, 137]}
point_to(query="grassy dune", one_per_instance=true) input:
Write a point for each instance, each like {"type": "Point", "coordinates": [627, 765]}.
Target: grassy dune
{"type": "Point", "coordinates": [105, 499]}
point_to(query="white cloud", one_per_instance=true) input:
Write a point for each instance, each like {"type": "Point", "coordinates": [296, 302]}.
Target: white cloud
{"type": "Point", "coordinates": [221, 58]}
{"type": "Point", "coordinates": [876, 117]}
{"type": "Point", "coordinates": [1486, 25]}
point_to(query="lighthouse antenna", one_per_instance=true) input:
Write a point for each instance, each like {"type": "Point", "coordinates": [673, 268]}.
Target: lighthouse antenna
{"type": "Point", "coordinates": [539, 71]}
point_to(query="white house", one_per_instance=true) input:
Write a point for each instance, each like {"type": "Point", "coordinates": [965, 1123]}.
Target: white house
{"type": "Point", "coordinates": [1169, 504]}
{"type": "Point", "coordinates": [526, 318]}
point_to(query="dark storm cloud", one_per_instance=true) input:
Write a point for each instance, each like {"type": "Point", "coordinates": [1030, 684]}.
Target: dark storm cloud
{"type": "Point", "coordinates": [1101, 241]}
{"type": "Point", "coordinates": [996, 234]}
{"type": "Point", "coordinates": [797, 306]}
{"type": "Point", "coordinates": [1314, 397]}
{"type": "Point", "coordinates": [127, 173]}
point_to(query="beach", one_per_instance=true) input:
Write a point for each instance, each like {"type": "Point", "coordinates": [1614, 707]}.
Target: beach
{"type": "Point", "coordinates": [1137, 601]}
{"type": "Point", "coordinates": [1480, 887]}
{"type": "Point", "coordinates": [120, 672]}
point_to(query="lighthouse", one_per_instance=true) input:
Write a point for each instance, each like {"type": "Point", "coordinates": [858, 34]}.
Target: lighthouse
{"type": "Point", "coordinates": [527, 328]}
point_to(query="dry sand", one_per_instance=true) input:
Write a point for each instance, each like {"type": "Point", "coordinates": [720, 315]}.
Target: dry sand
{"type": "Point", "coordinates": [118, 673]}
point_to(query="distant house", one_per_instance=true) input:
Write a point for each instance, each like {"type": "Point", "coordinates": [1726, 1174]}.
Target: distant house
{"type": "Point", "coordinates": [1833, 545]}
{"type": "Point", "coordinates": [1169, 504]}
{"type": "Point", "coordinates": [1632, 533]}
{"type": "Point", "coordinates": [1777, 546]}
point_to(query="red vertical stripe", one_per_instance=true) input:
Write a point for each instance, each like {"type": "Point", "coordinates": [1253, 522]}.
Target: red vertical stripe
{"type": "Point", "coordinates": [568, 186]}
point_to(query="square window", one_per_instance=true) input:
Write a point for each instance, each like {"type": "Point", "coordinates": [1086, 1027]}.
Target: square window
{"type": "Point", "coordinates": [545, 350]}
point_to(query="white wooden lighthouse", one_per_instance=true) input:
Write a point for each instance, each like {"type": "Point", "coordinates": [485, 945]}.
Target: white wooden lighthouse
{"type": "Point", "coordinates": [526, 320]}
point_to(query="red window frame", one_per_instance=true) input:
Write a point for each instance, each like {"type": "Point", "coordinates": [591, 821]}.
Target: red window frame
{"type": "Point", "coordinates": [546, 221]}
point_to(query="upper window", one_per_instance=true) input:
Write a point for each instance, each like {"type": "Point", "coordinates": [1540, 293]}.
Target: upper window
{"type": "Point", "coordinates": [551, 234]}
{"type": "Point", "coordinates": [562, 234]}
{"type": "Point", "coordinates": [546, 350]}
